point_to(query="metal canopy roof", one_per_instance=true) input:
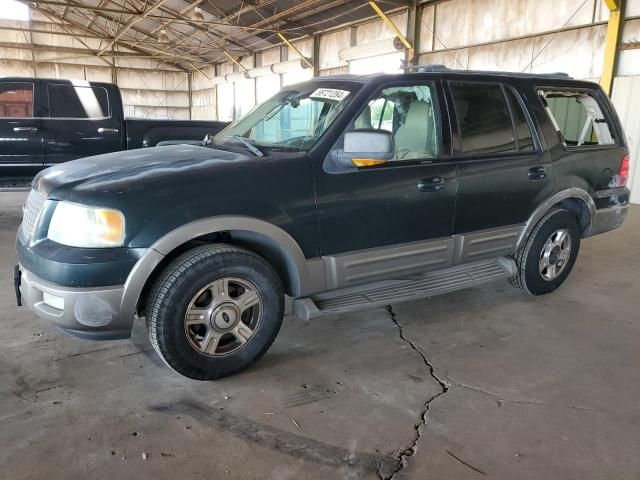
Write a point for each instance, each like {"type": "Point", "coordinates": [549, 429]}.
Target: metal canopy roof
{"type": "Point", "coordinates": [198, 33]}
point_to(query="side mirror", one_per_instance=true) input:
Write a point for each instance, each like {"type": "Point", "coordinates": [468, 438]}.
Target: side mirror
{"type": "Point", "coordinates": [365, 148]}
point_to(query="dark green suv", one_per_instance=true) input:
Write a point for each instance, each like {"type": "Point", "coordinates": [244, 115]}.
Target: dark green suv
{"type": "Point", "coordinates": [342, 193]}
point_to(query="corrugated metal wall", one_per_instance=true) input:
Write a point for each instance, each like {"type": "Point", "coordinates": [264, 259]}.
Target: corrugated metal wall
{"type": "Point", "coordinates": [150, 88]}
{"type": "Point", "coordinates": [626, 98]}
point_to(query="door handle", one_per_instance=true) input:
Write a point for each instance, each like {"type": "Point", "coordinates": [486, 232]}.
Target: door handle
{"type": "Point", "coordinates": [537, 173]}
{"type": "Point", "coordinates": [108, 130]}
{"type": "Point", "coordinates": [25, 129]}
{"type": "Point", "coordinates": [432, 184]}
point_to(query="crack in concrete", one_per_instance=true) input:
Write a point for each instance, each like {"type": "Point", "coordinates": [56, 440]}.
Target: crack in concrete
{"type": "Point", "coordinates": [401, 458]}
{"type": "Point", "coordinates": [500, 397]}
{"type": "Point", "coordinates": [502, 400]}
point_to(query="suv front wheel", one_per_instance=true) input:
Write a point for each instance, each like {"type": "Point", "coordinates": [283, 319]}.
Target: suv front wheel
{"type": "Point", "coordinates": [547, 257]}
{"type": "Point", "coordinates": [214, 311]}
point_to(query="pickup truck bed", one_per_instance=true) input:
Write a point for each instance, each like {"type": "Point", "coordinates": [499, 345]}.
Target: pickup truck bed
{"type": "Point", "coordinates": [142, 132]}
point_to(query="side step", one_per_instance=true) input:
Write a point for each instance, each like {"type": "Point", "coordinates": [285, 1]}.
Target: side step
{"type": "Point", "coordinates": [395, 291]}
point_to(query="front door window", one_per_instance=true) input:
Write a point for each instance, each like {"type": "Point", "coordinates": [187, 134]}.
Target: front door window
{"type": "Point", "coordinates": [407, 112]}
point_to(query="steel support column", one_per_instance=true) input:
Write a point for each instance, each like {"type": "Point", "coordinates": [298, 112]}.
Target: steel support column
{"type": "Point", "coordinates": [414, 19]}
{"type": "Point", "coordinates": [612, 43]}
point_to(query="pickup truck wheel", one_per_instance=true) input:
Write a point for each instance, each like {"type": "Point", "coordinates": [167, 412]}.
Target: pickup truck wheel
{"type": "Point", "coordinates": [546, 259]}
{"type": "Point", "coordinates": [214, 311]}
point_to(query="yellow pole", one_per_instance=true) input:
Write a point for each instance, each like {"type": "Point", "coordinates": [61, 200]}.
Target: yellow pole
{"type": "Point", "coordinates": [393, 28]}
{"type": "Point", "coordinates": [200, 71]}
{"type": "Point", "coordinates": [230, 57]}
{"type": "Point", "coordinates": [611, 43]}
{"type": "Point", "coordinates": [292, 46]}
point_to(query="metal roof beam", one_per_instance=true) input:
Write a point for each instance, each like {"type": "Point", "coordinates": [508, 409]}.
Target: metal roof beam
{"type": "Point", "coordinates": [87, 7]}
{"type": "Point", "coordinates": [134, 19]}
{"type": "Point", "coordinates": [51, 16]}
{"type": "Point", "coordinates": [132, 44]}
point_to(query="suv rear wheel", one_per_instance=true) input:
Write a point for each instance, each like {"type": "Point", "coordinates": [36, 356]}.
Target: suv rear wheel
{"type": "Point", "coordinates": [214, 311]}
{"type": "Point", "coordinates": [546, 259]}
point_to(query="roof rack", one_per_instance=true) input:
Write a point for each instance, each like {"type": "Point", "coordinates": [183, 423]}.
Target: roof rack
{"type": "Point", "coordinates": [435, 67]}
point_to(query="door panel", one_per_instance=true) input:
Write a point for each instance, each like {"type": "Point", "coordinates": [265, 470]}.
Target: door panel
{"type": "Point", "coordinates": [503, 173]}
{"type": "Point", "coordinates": [408, 199]}
{"type": "Point", "coordinates": [381, 207]}
{"type": "Point", "coordinates": [66, 139]}
{"type": "Point", "coordinates": [497, 193]}
{"type": "Point", "coordinates": [20, 132]}
{"type": "Point", "coordinates": [80, 123]}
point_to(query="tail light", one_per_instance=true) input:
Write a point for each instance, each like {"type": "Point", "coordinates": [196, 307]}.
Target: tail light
{"type": "Point", "coordinates": [623, 173]}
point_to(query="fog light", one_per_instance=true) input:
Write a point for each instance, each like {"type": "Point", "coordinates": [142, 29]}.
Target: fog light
{"type": "Point", "coordinates": [53, 301]}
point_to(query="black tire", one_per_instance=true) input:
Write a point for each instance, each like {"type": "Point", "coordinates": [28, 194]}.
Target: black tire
{"type": "Point", "coordinates": [181, 280]}
{"type": "Point", "coordinates": [529, 278]}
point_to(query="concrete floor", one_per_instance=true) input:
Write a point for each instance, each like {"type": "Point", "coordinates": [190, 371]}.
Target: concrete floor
{"type": "Point", "coordinates": [480, 383]}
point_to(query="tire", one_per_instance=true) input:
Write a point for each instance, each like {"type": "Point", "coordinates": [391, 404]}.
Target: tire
{"type": "Point", "coordinates": [219, 280]}
{"type": "Point", "coordinates": [532, 277]}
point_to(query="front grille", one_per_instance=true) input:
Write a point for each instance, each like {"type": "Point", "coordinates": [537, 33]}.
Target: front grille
{"type": "Point", "coordinates": [30, 213]}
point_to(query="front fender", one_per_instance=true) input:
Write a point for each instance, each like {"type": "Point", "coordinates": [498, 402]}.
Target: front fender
{"type": "Point", "coordinates": [303, 276]}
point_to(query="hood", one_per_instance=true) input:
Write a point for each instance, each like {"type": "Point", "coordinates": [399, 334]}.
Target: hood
{"type": "Point", "coordinates": [105, 173]}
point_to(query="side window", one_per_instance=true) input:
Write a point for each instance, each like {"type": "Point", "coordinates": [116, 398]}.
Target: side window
{"type": "Point", "coordinates": [408, 113]}
{"type": "Point", "coordinates": [484, 119]}
{"type": "Point", "coordinates": [16, 100]}
{"type": "Point", "coordinates": [377, 115]}
{"type": "Point", "coordinates": [524, 138]}
{"type": "Point", "coordinates": [75, 101]}
{"type": "Point", "coordinates": [577, 117]}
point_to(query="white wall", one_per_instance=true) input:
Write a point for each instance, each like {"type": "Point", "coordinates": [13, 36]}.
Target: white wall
{"type": "Point", "coordinates": [626, 98]}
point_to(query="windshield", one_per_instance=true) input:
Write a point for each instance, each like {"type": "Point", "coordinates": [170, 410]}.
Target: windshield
{"type": "Point", "coordinates": [293, 120]}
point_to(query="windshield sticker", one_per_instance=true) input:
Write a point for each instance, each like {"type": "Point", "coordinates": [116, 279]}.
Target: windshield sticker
{"type": "Point", "coordinates": [331, 94]}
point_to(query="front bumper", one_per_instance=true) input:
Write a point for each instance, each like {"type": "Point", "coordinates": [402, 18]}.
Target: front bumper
{"type": "Point", "coordinates": [93, 313]}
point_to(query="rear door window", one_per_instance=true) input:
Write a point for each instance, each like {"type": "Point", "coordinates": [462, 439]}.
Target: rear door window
{"type": "Point", "coordinates": [490, 119]}
{"type": "Point", "coordinates": [524, 137]}
{"type": "Point", "coordinates": [577, 117]}
{"type": "Point", "coordinates": [78, 101]}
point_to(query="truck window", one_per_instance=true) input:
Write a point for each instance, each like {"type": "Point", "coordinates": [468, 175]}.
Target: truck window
{"type": "Point", "coordinates": [577, 117]}
{"type": "Point", "coordinates": [408, 113]}
{"type": "Point", "coordinates": [524, 138]}
{"type": "Point", "coordinates": [484, 119]}
{"type": "Point", "coordinates": [16, 100]}
{"type": "Point", "coordinates": [77, 101]}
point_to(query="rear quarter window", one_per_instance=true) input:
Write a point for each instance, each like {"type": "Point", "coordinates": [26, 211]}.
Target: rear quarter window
{"type": "Point", "coordinates": [577, 116]}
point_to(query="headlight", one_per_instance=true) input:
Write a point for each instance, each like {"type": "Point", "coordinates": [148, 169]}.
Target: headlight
{"type": "Point", "coordinates": [88, 227]}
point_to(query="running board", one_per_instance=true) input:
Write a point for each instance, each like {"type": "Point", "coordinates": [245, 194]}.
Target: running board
{"type": "Point", "coordinates": [395, 291]}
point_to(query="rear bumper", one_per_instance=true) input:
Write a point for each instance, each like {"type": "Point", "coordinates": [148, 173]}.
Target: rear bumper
{"type": "Point", "coordinates": [91, 313]}
{"type": "Point", "coordinates": [612, 206]}
{"type": "Point", "coordinates": [607, 219]}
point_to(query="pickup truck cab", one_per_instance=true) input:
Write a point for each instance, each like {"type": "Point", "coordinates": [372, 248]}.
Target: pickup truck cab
{"type": "Point", "coordinates": [341, 192]}
{"type": "Point", "coordinates": [44, 122]}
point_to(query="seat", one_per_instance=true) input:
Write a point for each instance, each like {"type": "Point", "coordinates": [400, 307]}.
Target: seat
{"type": "Point", "coordinates": [412, 138]}
{"type": "Point", "coordinates": [364, 119]}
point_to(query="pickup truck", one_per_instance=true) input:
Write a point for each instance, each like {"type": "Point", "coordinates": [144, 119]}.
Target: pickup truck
{"type": "Point", "coordinates": [341, 192]}
{"type": "Point", "coordinates": [44, 122]}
